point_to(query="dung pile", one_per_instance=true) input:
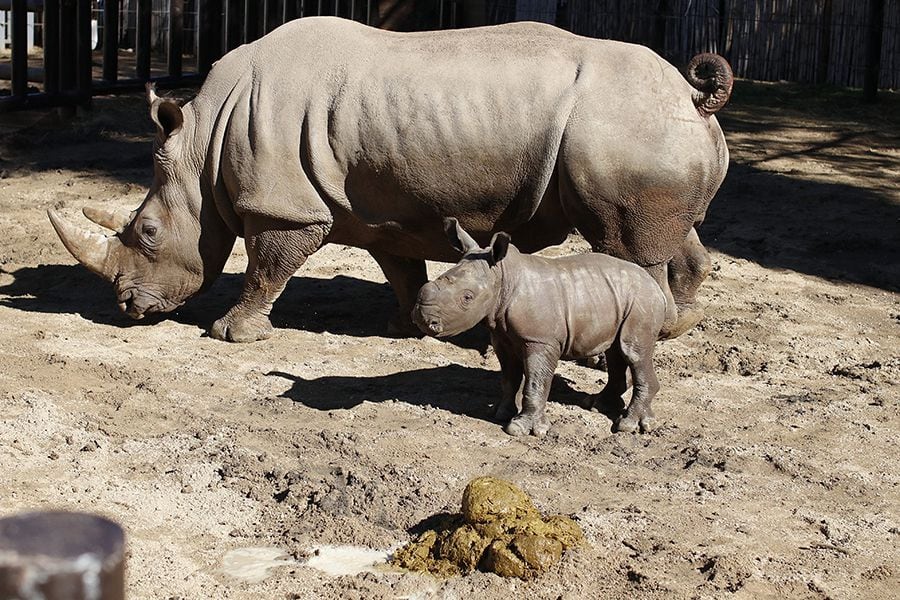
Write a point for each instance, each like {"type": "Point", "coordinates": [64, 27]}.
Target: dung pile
{"type": "Point", "coordinates": [499, 531]}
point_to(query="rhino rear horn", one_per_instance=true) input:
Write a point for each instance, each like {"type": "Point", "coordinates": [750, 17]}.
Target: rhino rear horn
{"type": "Point", "coordinates": [117, 220]}
{"type": "Point", "coordinates": [96, 252]}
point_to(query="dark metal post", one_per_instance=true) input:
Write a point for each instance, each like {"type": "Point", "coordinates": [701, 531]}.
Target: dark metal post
{"type": "Point", "coordinates": [111, 40]}
{"type": "Point", "coordinates": [19, 48]}
{"type": "Point", "coordinates": [60, 556]}
{"type": "Point", "coordinates": [209, 33]}
{"type": "Point", "coordinates": [176, 36]}
{"type": "Point", "coordinates": [251, 21]}
{"type": "Point", "coordinates": [85, 75]}
{"type": "Point", "coordinates": [233, 29]}
{"type": "Point", "coordinates": [50, 33]}
{"type": "Point", "coordinates": [144, 21]}
{"type": "Point", "coordinates": [67, 51]}
{"type": "Point", "coordinates": [873, 50]}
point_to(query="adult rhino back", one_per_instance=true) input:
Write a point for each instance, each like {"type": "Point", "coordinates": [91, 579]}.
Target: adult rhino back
{"type": "Point", "coordinates": [330, 131]}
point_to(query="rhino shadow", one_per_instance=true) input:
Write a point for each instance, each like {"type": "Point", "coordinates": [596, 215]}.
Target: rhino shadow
{"type": "Point", "coordinates": [341, 305]}
{"type": "Point", "coordinates": [467, 391]}
{"type": "Point", "coordinates": [774, 211]}
{"type": "Point", "coordinates": [65, 289]}
{"type": "Point", "coordinates": [834, 231]}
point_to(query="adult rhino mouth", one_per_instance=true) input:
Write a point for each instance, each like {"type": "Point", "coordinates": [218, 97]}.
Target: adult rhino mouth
{"type": "Point", "coordinates": [137, 304]}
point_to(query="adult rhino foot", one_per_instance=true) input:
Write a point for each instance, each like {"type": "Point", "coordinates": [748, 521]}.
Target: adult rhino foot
{"type": "Point", "coordinates": [632, 423]}
{"type": "Point", "coordinates": [688, 317]}
{"type": "Point", "coordinates": [233, 329]}
{"type": "Point", "coordinates": [525, 424]}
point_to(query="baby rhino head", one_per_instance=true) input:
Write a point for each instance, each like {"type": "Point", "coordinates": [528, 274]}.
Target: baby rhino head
{"type": "Point", "coordinates": [463, 296]}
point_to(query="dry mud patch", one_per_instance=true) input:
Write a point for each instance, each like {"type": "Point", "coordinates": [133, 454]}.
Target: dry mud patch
{"type": "Point", "coordinates": [773, 473]}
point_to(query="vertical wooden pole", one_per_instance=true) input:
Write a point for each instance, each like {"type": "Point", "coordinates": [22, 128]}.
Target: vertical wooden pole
{"type": "Point", "coordinates": [209, 33]}
{"type": "Point", "coordinates": [176, 36]}
{"type": "Point", "coordinates": [19, 48]}
{"type": "Point", "coordinates": [67, 53]}
{"type": "Point", "coordinates": [233, 18]}
{"type": "Point", "coordinates": [144, 21]}
{"type": "Point", "coordinates": [51, 47]}
{"type": "Point", "coordinates": [84, 61]}
{"type": "Point", "coordinates": [873, 50]}
{"type": "Point", "coordinates": [111, 40]}
{"type": "Point", "coordinates": [824, 46]}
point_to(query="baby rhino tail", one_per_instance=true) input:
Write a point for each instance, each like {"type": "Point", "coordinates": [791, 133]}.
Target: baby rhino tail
{"type": "Point", "coordinates": [711, 75]}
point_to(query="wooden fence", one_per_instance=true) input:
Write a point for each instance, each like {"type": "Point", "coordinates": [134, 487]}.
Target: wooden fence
{"type": "Point", "coordinates": [87, 48]}
{"type": "Point", "coordinates": [814, 41]}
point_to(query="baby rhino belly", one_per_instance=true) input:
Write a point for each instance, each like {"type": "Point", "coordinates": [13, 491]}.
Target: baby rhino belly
{"type": "Point", "coordinates": [592, 328]}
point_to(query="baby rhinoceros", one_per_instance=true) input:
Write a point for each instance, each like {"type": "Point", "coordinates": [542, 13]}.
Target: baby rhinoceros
{"type": "Point", "coordinates": [540, 310]}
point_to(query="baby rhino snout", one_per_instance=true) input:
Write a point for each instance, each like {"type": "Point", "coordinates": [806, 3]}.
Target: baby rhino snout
{"type": "Point", "coordinates": [425, 313]}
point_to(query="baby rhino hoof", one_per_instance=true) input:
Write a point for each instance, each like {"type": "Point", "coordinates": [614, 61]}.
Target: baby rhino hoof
{"type": "Point", "coordinates": [525, 424]}
{"type": "Point", "coordinates": [629, 424]}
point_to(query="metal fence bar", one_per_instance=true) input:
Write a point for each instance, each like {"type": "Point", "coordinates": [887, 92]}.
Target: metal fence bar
{"type": "Point", "coordinates": [233, 29]}
{"type": "Point", "coordinates": [83, 60]}
{"type": "Point", "coordinates": [209, 33]}
{"type": "Point", "coordinates": [67, 45]}
{"type": "Point", "coordinates": [50, 33]}
{"type": "Point", "coordinates": [251, 20]}
{"type": "Point", "coordinates": [111, 40]}
{"type": "Point", "coordinates": [19, 48]}
{"type": "Point", "coordinates": [176, 36]}
{"type": "Point", "coordinates": [143, 22]}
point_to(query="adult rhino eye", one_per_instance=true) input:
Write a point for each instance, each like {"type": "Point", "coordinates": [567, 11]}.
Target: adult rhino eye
{"type": "Point", "coordinates": [149, 230]}
{"type": "Point", "coordinates": [468, 297]}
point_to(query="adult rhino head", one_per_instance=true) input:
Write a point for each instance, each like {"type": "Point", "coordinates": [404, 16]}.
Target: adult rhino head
{"type": "Point", "coordinates": [156, 258]}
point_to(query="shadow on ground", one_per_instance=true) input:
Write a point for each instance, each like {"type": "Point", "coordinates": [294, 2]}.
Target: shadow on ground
{"type": "Point", "coordinates": [834, 231]}
{"type": "Point", "coordinates": [341, 305]}
{"type": "Point", "coordinates": [468, 391]}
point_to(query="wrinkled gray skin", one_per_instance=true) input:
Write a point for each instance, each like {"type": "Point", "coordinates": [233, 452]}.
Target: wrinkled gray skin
{"type": "Point", "coordinates": [540, 310]}
{"type": "Point", "coordinates": [326, 131]}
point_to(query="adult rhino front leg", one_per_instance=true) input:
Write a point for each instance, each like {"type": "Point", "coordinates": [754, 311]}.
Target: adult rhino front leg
{"type": "Point", "coordinates": [406, 276]}
{"type": "Point", "coordinates": [274, 253]}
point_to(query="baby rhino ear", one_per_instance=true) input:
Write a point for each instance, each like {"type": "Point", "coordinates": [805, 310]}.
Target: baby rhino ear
{"type": "Point", "coordinates": [459, 239]}
{"type": "Point", "coordinates": [499, 246]}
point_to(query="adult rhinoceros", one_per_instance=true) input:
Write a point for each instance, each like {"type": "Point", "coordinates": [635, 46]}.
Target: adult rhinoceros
{"type": "Point", "coordinates": [326, 130]}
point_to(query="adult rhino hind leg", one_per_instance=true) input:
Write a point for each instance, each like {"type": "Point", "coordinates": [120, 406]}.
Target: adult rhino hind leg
{"type": "Point", "coordinates": [274, 254]}
{"type": "Point", "coordinates": [686, 271]}
{"type": "Point", "coordinates": [406, 276]}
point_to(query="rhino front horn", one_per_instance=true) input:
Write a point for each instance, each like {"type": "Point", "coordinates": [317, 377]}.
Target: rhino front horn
{"type": "Point", "coordinates": [117, 220]}
{"type": "Point", "coordinates": [96, 252]}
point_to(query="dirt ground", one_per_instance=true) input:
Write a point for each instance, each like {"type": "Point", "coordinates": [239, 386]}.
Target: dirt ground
{"type": "Point", "coordinates": [773, 474]}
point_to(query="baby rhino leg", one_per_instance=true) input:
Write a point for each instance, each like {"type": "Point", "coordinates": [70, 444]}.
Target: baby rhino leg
{"type": "Point", "coordinates": [636, 342]}
{"type": "Point", "coordinates": [540, 364]}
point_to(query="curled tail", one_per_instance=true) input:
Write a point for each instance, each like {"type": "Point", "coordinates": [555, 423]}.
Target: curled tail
{"type": "Point", "coordinates": [711, 75]}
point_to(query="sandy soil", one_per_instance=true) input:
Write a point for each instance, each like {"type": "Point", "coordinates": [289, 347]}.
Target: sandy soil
{"type": "Point", "coordinates": [774, 473]}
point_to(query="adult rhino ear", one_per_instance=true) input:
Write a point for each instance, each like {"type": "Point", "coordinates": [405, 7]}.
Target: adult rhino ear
{"type": "Point", "coordinates": [165, 113]}
{"type": "Point", "coordinates": [458, 237]}
{"type": "Point", "coordinates": [499, 246]}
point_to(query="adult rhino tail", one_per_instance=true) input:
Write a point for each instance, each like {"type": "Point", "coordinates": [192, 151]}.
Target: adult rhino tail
{"type": "Point", "coordinates": [711, 75]}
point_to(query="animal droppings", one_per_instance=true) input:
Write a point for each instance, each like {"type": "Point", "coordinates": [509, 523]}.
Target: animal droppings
{"type": "Point", "coordinates": [499, 531]}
